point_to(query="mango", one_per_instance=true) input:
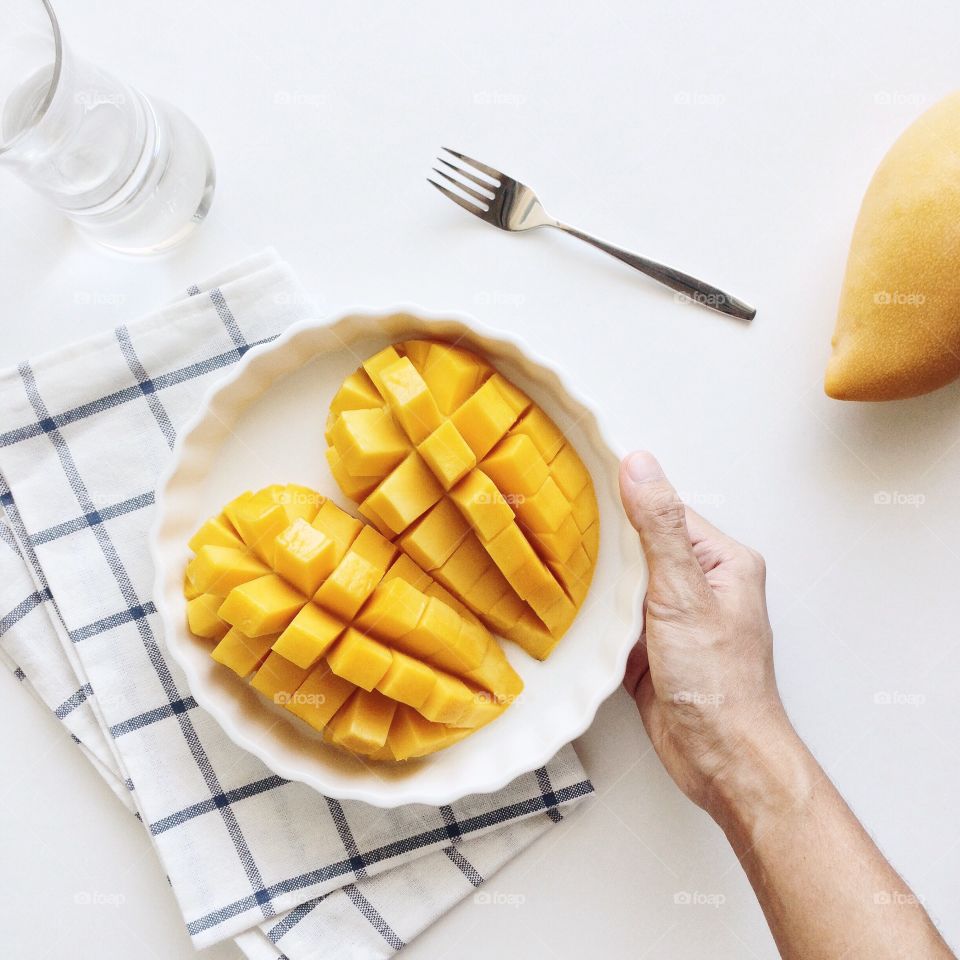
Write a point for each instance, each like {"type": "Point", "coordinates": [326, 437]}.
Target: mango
{"type": "Point", "coordinates": [492, 500]}
{"type": "Point", "coordinates": [340, 627]}
{"type": "Point", "coordinates": [897, 329]}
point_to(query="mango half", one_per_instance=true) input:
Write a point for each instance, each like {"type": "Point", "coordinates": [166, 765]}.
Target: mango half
{"type": "Point", "coordinates": [333, 622]}
{"type": "Point", "coordinates": [473, 481]}
{"type": "Point", "coordinates": [898, 324]}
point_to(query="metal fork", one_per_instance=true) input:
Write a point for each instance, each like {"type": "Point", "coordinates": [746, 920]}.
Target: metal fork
{"type": "Point", "coordinates": [510, 205]}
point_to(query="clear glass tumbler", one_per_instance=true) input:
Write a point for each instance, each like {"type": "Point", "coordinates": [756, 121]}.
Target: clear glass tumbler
{"type": "Point", "coordinates": [132, 171]}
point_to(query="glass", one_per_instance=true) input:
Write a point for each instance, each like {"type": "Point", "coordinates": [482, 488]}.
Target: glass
{"type": "Point", "coordinates": [132, 171]}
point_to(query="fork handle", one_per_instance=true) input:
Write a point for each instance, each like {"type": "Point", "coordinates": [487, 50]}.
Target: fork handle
{"type": "Point", "coordinates": [695, 289]}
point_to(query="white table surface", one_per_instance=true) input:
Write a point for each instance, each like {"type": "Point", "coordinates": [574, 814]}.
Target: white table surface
{"type": "Point", "coordinates": [730, 140]}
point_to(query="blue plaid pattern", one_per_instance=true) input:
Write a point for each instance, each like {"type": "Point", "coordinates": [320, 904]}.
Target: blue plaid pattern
{"type": "Point", "coordinates": [77, 498]}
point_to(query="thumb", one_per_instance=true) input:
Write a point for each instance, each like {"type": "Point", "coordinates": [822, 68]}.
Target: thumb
{"type": "Point", "coordinates": [659, 516]}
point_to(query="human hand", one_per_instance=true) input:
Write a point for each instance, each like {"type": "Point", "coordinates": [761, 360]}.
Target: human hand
{"type": "Point", "coordinates": [702, 674]}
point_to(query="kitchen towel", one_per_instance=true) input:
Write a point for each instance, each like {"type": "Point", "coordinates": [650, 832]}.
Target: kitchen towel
{"type": "Point", "coordinates": [84, 433]}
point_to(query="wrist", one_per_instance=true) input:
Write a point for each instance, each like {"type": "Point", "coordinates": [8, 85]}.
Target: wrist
{"type": "Point", "coordinates": [771, 775]}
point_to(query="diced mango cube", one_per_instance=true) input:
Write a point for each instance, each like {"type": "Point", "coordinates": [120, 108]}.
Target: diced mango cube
{"type": "Point", "coordinates": [482, 709]}
{"type": "Point", "coordinates": [356, 488]}
{"type": "Point", "coordinates": [516, 466]}
{"type": "Point", "coordinates": [545, 510]}
{"type": "Point", "coordinates": [218, 570]}
{"type": "Point", "coordinates": [413, 735]}
{"type": "Point", "coordinates": [483, 418]}
{"type": "Point", "coordinates": [308, 637]}
{"type": "Point", "coordinates": [452, 375]}
{"type": "Point", "coordinates": [568, 471]}
{"type": "Point", "coordinates": [394, 609]}
{"type": "Point", "coordinates": [484, 506]}
{"type": "Point", "coordinates": [438, 627]}
{"type": "Point", "coordinates": [203, 616]}
{"type": "Point", "coordinates": [360, 659]}
{"type": "Point", "coordinates": [559, 616]}
{"type": "Point", "coordinates": [363, 722]}
{"type": "Point", "coordinates": [407, 680]}
{"type": "Point", "coordinates": [339, 526]}
{"type": "Point", "coordinates": [320, 696]}
{"type": "Point", "coordinates": [405, 569]}
{"type": "Point", "coordinates": [544, 433]}
{"type": "Point", "coordinates": [260, 520]}
{"type": "Point", "coordinates": [369, 441]}
{"type": "Point", "coordinates": [464, 650]}
{"type": "Point", "coordinates": [537, 585]}
{"type": "Point", "coordinates": [464, 566]}
{"type": "Point", "coordinates": [218, 531]}
{"type": "Point", "coordinates": [410, 399]}
{"type": "Point", "coordinates": [189, 590]}
{"type": "Point", "coordinates": [240, 653]}
{"type": "Point", "coordinates": [417, 351]}
{"type": "Point", "coordinates": [447, 454]}
{"type": "Point", "coordinates": [264, 605]}
{"type": "Point", "coordinates": [591, 540]}
{"type": "Point", "coordinates": [305, 556]}
{"type": "Point", "coordinates": [506, 612]}
{"type": "Point", "coordinates": [585, 507]}
{"type": "Point", "coordinates": [558, 546]}
{"type": "Point", "coordinates": [436, 536]}
{"type": "Point", "coordinates": [300, 502]}
{"type": "Point", "coordinates": [375, 365]}
{"type": "Point", "coordinates": [356, 393]}
{"type": "Point", "coordinates": [491, 586]}
{"type": "Point", "coordinates": [278, 678]}
{"type": "Point", "coordinates": [510, 550]}
{"type": "Point", "coordinates": [530, 633]}
{"type": "Point", "coordinates": [495, 675]}
{"type": "Point", "coordinates": [517, 400]}
{"type": "Point", "coordinates": [457, 606]}
{"type": "Point", "coordinates": [409, 491]}
{"type": "Point", "coordinates": [352, 581]}
{"type": "Point", "coordinates": [449, 700]}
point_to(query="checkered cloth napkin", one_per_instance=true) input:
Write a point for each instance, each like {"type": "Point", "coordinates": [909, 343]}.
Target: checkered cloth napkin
{"type": "Point", "coordinates": [84, 432]}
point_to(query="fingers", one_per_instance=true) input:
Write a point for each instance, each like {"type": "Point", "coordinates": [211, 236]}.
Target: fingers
{"type": "Point", "coordinates": [658, 515]}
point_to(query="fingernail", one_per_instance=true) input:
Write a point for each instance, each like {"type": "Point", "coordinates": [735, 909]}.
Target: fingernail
{"type": "Point", "coordinates": [643, 466]}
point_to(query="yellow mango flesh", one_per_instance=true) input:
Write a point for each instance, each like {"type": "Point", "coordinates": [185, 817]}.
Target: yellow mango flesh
{"type": "Point", "coordinates": [898, 323]}
{"type": "Point", "coordinates": [490, 499]}
{"type": "Point", "coordinates": [339, 627]}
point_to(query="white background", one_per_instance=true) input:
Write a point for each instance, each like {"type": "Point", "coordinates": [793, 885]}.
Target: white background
{"type": "Point", "coordinates": [730, 140]}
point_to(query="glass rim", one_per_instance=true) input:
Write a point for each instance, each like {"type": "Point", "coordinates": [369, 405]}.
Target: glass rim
{"type": "Point", "coordinates": [44, 106]}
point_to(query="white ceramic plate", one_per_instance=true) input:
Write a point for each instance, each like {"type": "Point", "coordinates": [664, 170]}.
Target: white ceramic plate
{"type": "Point", "coordinates": [263, 423]}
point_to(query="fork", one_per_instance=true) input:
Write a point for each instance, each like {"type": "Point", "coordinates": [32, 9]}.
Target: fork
{"type": "Point", "coordinates": [511, 205]}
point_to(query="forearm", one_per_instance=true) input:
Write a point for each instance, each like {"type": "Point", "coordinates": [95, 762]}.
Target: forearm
{"type": "Point", "coordinates": [825, 888]}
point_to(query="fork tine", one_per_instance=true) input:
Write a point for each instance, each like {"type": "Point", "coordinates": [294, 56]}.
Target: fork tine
{"type": "Point", "coordinates": [476, 194]}
{"type": "Point", "coordinates": [466, 204]}
{"type": "Point", "coordinates": [486, 184]}
{"type": "Point", "coordinates": [482, 167]}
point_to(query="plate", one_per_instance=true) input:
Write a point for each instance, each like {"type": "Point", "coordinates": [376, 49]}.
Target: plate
{"type": "Point", "coordinates": [263, 423]}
